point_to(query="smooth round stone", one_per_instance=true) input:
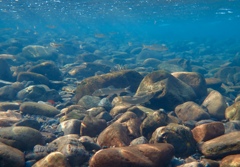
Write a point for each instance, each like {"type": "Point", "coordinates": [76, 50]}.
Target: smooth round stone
{"type": "Point", "coordinates": [139, 140]}
{"type": "Point", "coordinates": [144, 155]}
{"type": "Point", "coordinates": [192, 164]}
{"type": "Point", "coordinates": [9, 92]}
{"type": "Point", "coordinates": [230, 161]}
{"type": "Point", "coordinates": [232, 126]}
{"type": "Point", "coordinates": [31, 76]}
{"type": "Point", "coordinates": [21, 137]}
{"type": "Point", "coordinates": [179, 136]}
{"type": "Point", "coordinates": [38, 109]}
{"type": "Point", "coordinates": [48, 69]}
{"type": "Point", "coordinates": [191, 111]}
{"type": "Point", "coordinates": [221, 146]}
{"type": "Point", "coordinates": [54, 159]}
{"type": "Point", "coordinates": [29, 123]}
{"type": "Point", "coordinates": [89, 101]}
{"type": "Point", "coordinates": [11, 157]}
{"type": "Point", "coordinates": [216, 104]}
{"type": "Point", "coordinates": [208, 131]}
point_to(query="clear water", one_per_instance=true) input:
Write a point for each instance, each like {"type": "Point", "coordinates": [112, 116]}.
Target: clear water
{"type": "Point", "coordinates": [146, 21]}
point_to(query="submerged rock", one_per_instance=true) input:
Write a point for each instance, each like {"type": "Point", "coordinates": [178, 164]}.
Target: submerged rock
{"type": "Point", "coordinates": [119, 79]}
{"type": "Point", "coordinates": [144, 155]}
{"type": "Point", "coordinates": [233, 112]}
{"type": "Point", "coordinates": [169, 91]}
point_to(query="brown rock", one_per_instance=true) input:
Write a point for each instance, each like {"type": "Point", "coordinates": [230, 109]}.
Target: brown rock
{"type": "Point", "coordinates": [230, 161]}
{"type": "Point", "coordinates": [30, 76]}
{"type": "Point", "coordinates": [233, 112]}
{"type": "Point", "coordinates": [11, 157]}
{"type": "Point", "coordinates": [216, 104]}
{"type": "Point", "coordinates": [4, 106]}
{"type": "Point", "coordinates": [208, 131]}
{"type": "Point", "coordinates": [119, 79]}
{"type": "Point", "coordinates": [195, 80]}
{"type": "Point", "coordinates": [144, 155]}
{"type": "Point", "coordinates": [92, 126]}
{"type": "Point", "coordinates": [71, 126]}
{"type": "Point", "coordinates": [191, 111]}
{"type": "Point", "coordinates": [214, 83]}
{"type": "Point", "coordinates": [38, 109]}
{"type": "Point", "coordinates": [119, 109]}
{"type": "Point", "coordinates": [21, 137]}
{"type": "Point", "coordinates": [54, 159]}
{"type": "Point", "coordinates": [114, 135]}
{"type": "Point", "coordinates": [221, 146]}
{"type": "Point", "coordinates": [169, 91]}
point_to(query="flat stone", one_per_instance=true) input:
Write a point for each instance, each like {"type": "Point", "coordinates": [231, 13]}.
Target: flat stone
{"type": "Point", "coordinates": [230, 161]}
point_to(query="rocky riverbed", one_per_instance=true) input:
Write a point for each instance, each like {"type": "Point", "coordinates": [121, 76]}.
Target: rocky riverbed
{"type": "Point", "coordinates": [174, 104]}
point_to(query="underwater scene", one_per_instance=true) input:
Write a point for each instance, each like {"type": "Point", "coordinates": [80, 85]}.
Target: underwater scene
{"type": "Point", "coordinates": [119, 83]}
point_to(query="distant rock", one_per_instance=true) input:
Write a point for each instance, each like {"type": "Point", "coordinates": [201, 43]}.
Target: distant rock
{"type": "Point", "coordinates": [31, 76]}
{"type": "Point", "coordinates": [34, 52]}
{"type": "Point", "coordinates": [5, 72]}
{"type": "Point", "coordinates": [48, 69]}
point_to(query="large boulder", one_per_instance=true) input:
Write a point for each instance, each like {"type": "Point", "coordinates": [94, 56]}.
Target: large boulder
{"type": "Point", "coordinates": [120, 79]}
{"type": "Point", "coordinates": [169, 91]}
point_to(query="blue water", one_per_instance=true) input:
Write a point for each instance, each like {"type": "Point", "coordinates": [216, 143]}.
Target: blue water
{"type": "Point", "coordinates": [144, 21]}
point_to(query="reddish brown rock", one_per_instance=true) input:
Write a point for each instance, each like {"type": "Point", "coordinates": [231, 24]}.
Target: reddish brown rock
{"type": "Point", "coordinates": [216, 104]}
{"type": "Point", "coordinates": [230, 161]}
{"type": "Point", "coordinates": [191, 111]}
{"type": "Point", "coordinates": [114, 135]}
{"type": "Point", "coordinates": [144, 155]}
{"type": "Point", "coordinates": [221, 146]}
{"type": "Point", "coordinates": [208, 131]}
{"type": "Point", "coordinates": [195, 80]}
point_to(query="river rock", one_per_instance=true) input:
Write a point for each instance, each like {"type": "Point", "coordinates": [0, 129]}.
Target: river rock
{"type": "Point", "coordinates": [139, 140]}
{"type": "Point", "coordinates": [144, 155]}
{"type": "Point", "coordinates": [191, 111]}
{"type": "Point", "coordinates": [54, 159]}
{"type": "Point", "coordinates": [11, 157]}
{"type": "Point", "coordinates": [119, 109]}
{"type": "Point", "coordinates": [221, 146]}
{"type": "Point", "coordinates": [34, 52]}
{"type": "Point", "coordinates": [8, 118]}
{"type": "Point", "coordinates": [232, 126]}
{"type": "Point", "coordinates": [31, 76]}
{"type": "Point", "coordinates": [230, 161]}
{"type": "Point", "coordinates": [38, 93]}
{"type": "Point", "coordinates": [72, 149]}
{"type": "Point", "coordinates": [215, 104]}
{"type": "Point", "coordinates": [119, 79]}
{"type": "Point", "coordinates": [20, 137]}
{"type": "Point", "coordinates": [116, 135]}
{"type": "Point", "coordinates": [179, 136]}
{"type": "Point", "coordinates": [233, 112]}
{"type": "Point", "coordinates": [48, 69]}
{"type": "Point", "coordinates": [132, 122]}
{"type": "Point", "coordinates": [9, 92]}
{"type": "Point", "coordinates": [38, 109]}
{"type": "Point", "coordinates": [152, 122]}
{"type": "Point", "coordinates": [92, 126]}
{"type": "Point", "coordinates": [4, 106]}
{"type": "Point", "coordinates": [5, 72]}
{"type": "Point", "coordinates": [226, 73]}
{"type": "Point", "coordinates": [195, 80]}
{"type": "Point", "coordinates": [214, 83]}
{"type": "Point", "coordinates": [208, 131]}
{"type": "Point", "coordinates": [71, 126]}
{"type": "Point", "coordinates": [89, 101]}
{"type": "Point", "coordinates": [169, 91]}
